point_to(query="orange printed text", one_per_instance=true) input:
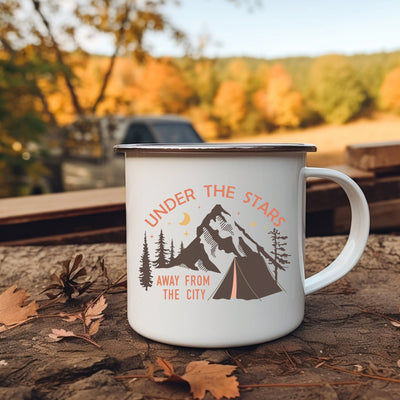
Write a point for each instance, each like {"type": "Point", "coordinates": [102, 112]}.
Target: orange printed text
{"type": "Point", "coordinates": [169, 205]}
{"type": "Point", "coordinates": [257, 202]}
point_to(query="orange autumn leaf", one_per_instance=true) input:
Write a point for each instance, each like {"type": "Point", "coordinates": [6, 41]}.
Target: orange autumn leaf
{"type": "Point", "coordinates": [12, 309]}
{"type": "Point", "coordinates": [202, 377]}
{"type": "Point", "coordinates": [59, 334]}
{"type": "Point", "coordinates": [95, 310]}
{"type": "Point", "coordinates": [168, 370]}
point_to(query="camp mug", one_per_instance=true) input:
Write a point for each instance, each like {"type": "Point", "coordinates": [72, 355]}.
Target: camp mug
{"type": "Point", "coordinates": [215, 241]}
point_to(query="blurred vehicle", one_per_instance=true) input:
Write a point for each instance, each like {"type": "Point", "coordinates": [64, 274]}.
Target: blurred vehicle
{"type": "Point", "coordinates": [89, 160]}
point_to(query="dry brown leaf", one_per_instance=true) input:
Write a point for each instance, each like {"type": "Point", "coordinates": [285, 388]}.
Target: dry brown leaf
{"type": "Point", "coordinates": [168, 370]}
{"type": "Point", "coordinates": [59, 334]}
{"type": "Point", "coordinates": [12, 309]}
{"type": "Point", "coordinates": [70, 317]}
{"type": "Point", "coordinates": [202, 377]}
{"type": "Point", "coordinates": [94, 327]}
{"type": "Point", "coordinates": [95, 310]}
{"type": "Point", "coordinates": [72, 281]}
{"type": "Point", "coordinates": [91, 318]}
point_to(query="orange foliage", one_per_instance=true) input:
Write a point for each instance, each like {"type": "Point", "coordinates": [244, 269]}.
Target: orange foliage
{"type": "Point", "coordinates": [390, 91]}
{"type": "Point", "coordinates": [204, 81]}
{"type": "Point", "coordinates": [58, 99]}
{"type": "Point", "coordinates": [230, 104]}
{"type": "Point", "coordinates": [238, 70]}
{"type": "Point", "coordinates": [203, 122]}
{"type": "Point", "coordinates": [278, 103]}
{"type": "Point", "coordinates": [89, 75]}
{"type": "Point", "coordinates": [160, 89]}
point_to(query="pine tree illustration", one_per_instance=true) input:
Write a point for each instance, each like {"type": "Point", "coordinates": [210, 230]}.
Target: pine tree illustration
{"type": "Point", "coordinates": [182, 248]}
{"type": "Point", "coordinates": [171, 251]}
{"type": "Point", "coordinates": [161, 252]}
{"type": "Point", "coordinates": [145, 276]}
{"type": "Point", "coordinates": [279, 251]}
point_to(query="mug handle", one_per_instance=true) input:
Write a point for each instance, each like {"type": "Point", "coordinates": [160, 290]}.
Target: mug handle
{"type": "Point", "coordinates": [359, 230]}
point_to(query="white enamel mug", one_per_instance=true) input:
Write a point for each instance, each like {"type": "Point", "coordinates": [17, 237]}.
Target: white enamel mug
{"type": "Point", "coordinates": [215, 241]}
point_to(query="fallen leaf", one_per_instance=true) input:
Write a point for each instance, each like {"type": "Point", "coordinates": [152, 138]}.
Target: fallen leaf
{"type": "Point", "coordinates": [72, 281]}
{"type": "Point", "coordinates": [59, 334]}
{"type": "Point", "coordinates": [12, 309]}
{"type": "Point", "coordinates": [202, 377]}
{"type": "Point", "coordinates": [95, 311]}
{"type": "Point", "coordinates": [168, 370]}
{"type": "Point", "coordinates": [91, 318]}
{"type": "Point", "coordinates": [70, 317]}
{"type": "Point", "coordinates": [94, 327]}
{"type": "Point", "coordinates": [395, 323]}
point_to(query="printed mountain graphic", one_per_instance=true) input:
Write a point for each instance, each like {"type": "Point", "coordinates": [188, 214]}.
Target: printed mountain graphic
{"type": "Point", "coordinates": [248, 276]}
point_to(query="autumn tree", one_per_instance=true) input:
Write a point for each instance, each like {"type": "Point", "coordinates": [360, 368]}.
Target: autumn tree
{"type": "Point", "coordinates": [56, 33]}
{"type": "Point", "coordinates": [389, 93]}
{"type": "Point", "coordinates": [335, 91]}
{"type": "Point", "coordinates": [238, 70]}
{"type": "Point", "coordinates": [160, 88]}
{"type": "Point", "coordinates": [279, 104]}
{"type": "Point", "coordinates": [145, 276]}
{"type": "Point", "coordinates": [230, 106]}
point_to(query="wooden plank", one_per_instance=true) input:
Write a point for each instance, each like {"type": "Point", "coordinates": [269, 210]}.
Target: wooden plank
{"type": "Point", "coordinates": [385, 216]}
{"type": "Point", "coordinates": [101, 235]}
{"type": "Point", "coordinates": [382, 156]}
{"type": "Point", "coordinates": [326, 195]}
{"type": "Point", "coordinates": [354, 173]}
{"type": "Point", "coordinates": [60, 205]}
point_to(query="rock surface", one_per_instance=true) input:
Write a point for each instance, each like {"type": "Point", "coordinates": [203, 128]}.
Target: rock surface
{"type": "Point", "coordinates": [337, 333]}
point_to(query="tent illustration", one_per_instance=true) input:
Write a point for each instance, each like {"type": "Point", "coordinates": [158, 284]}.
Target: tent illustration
{"type": "Point", "coordinates": [247, 278]}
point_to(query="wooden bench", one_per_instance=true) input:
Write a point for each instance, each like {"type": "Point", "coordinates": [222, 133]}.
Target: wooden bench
{"type": "Point", "coordinates": [98, 215]}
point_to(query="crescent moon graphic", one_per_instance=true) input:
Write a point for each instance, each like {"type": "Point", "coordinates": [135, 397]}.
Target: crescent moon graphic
{"type": "Point", "coordinates": [186, 219]}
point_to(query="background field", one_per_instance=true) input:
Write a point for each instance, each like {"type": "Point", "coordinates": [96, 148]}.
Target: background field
{"type": "Point", "coordinates": [331, 140]}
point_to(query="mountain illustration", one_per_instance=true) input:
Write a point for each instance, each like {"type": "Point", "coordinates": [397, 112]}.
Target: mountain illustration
{"type": "Point", "coordinates": [219, 237]}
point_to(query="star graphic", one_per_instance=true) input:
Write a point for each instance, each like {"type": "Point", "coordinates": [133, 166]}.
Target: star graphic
{"type": "Point", "coordinates": [186, 233]}
{"type": "Point", "coordinates": [253, 224]}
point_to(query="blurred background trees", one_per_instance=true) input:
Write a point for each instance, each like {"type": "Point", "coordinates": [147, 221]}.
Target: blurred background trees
{"type": "Point", "coordinates": [48, 79]}
{"type": "Point", "coordinates": [336, 93]}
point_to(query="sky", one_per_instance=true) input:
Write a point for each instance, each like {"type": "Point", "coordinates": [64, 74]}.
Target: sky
{"type": "Point", "coordinates": [285, 27]}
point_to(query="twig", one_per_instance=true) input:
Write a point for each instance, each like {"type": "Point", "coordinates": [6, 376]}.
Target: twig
{"type": "Point", "coordinates": [87, 338]}
{"type": "Point", "coordinates": [237, 362]}
{"type": "Point", "coordinates": [130, 377]}
{"type": "Point", "coordinates": [381, 378]}
{"type": "Point", "coordinates": [334, 383]}
{"type": "Point", "coordinates": [289, 358]}
{"type": "Point", "coordinates": [366, 311]}
{"type": "Point", "coordinates": [26, 321]}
